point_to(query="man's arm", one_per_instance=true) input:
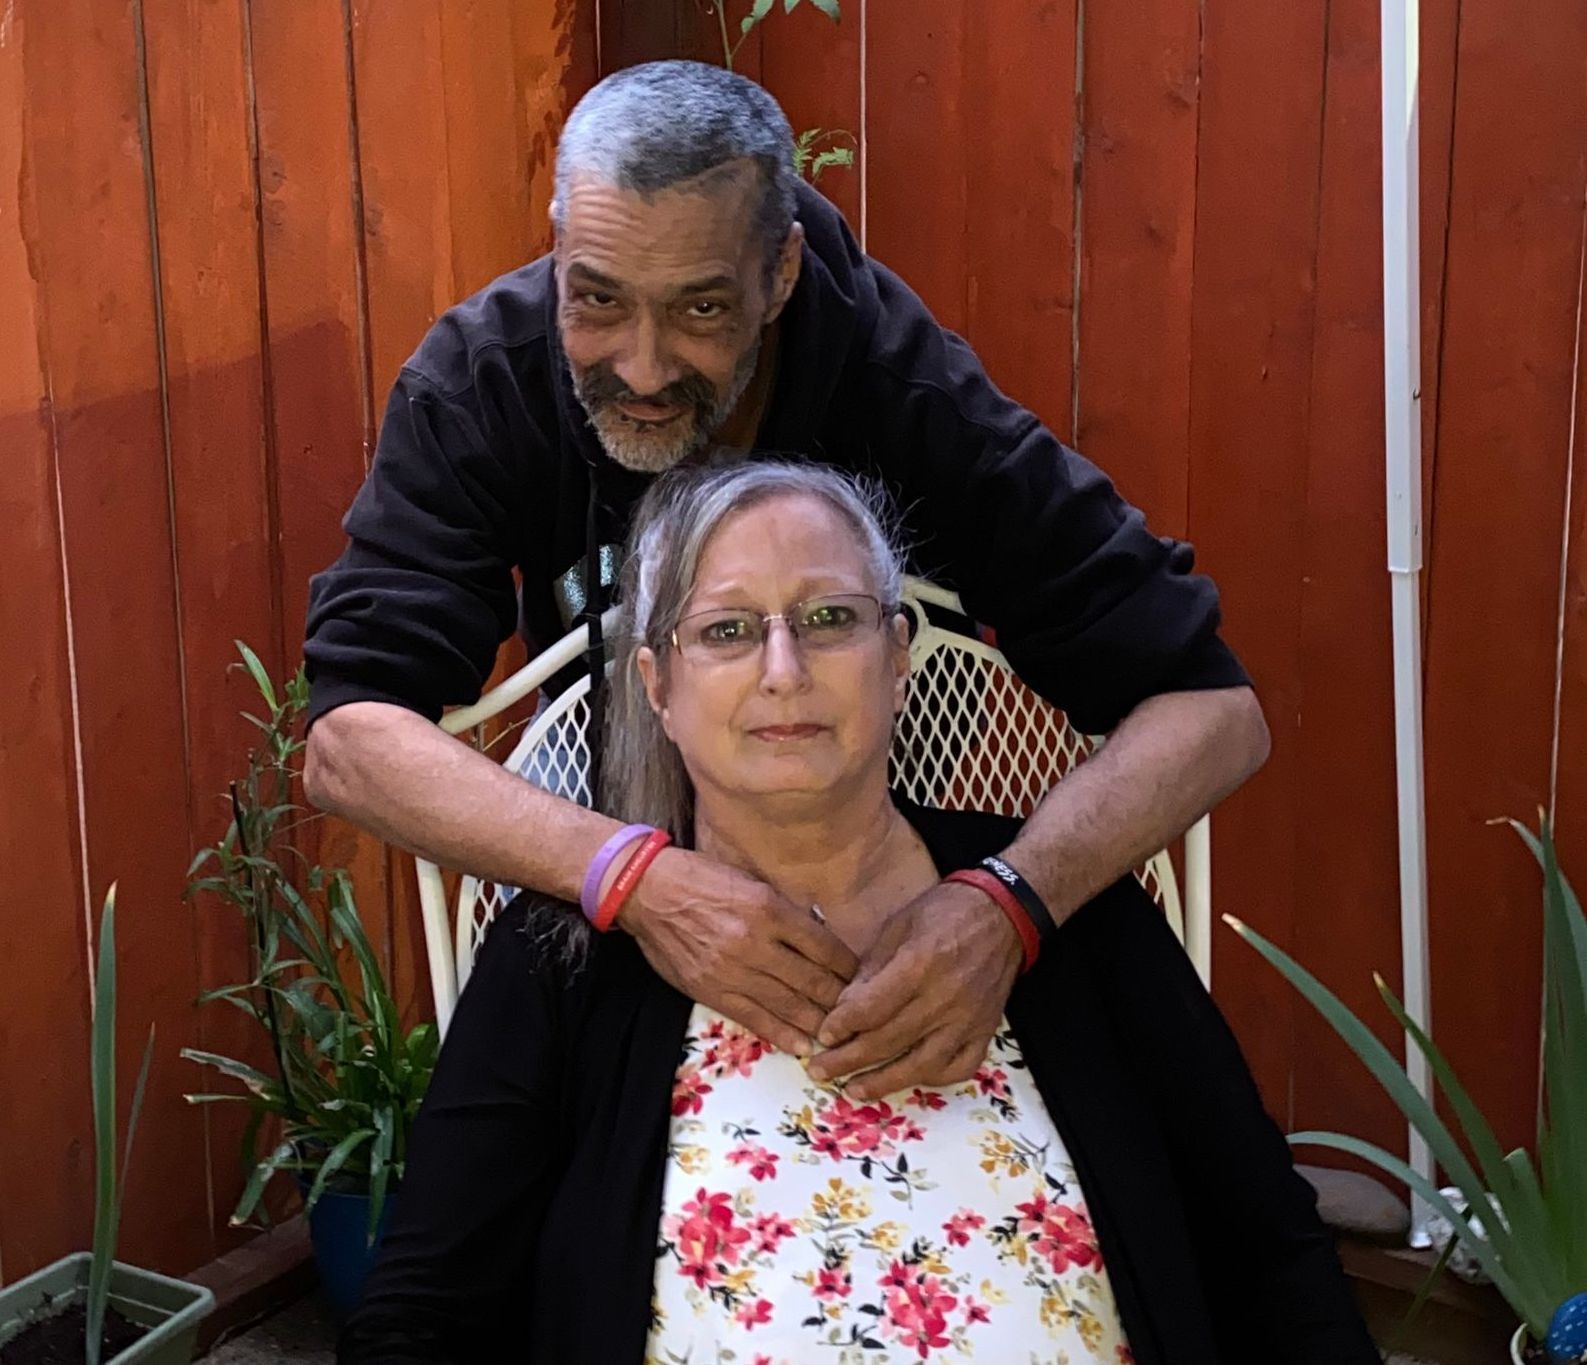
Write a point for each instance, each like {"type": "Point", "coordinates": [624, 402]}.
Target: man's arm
{"type": "Point", "coordinates": [931, 992]}
{"type": "Point", "coordinates": [723, 938]}
{"type": "Point", "coordinates": [1171, 761]}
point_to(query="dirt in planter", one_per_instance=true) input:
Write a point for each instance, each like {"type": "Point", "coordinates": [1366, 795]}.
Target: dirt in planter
{"type": "Point", "coordinates": [58, 1339]}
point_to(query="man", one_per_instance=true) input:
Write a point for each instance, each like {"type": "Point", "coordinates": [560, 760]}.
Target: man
{"type": "Point", "coordinates": [699, 294]}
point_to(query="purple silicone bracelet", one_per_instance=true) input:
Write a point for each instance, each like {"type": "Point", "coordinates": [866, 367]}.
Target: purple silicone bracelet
{"type": "Point", "coordinates": [590, 894]}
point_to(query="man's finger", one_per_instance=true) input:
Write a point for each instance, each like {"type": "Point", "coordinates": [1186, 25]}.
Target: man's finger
{"type": "Point", "coordinates": [764, 1024]}
{"type": "Point", "coordinates": [786, 1004]}
{"type": "Point", "coordinates": [870, 1001]}
{"type": "Point", "coordinates": [813, 940]}
{"type": "Point", "coordinates": [896, 1036]}
{"type": "Point", "coordinates": [904, 1072]}
{"type": "Point", "coordinates": [802, 976]}
{"type": "Point", "coordinates": [962, 1066]}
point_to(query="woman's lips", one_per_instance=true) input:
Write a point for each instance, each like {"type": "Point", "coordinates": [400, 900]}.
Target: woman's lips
{"type": "Point", "coordinates": [783, 734]}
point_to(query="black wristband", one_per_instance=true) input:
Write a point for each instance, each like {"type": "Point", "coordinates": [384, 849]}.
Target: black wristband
{"type": "Point", "coordinates": [1025, 893]}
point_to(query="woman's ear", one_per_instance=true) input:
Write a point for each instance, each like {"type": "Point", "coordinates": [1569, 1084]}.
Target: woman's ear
{"type": "Point", "coordinates": [900, 651]}
{"type": "Point", "coordinates": [650, 674]}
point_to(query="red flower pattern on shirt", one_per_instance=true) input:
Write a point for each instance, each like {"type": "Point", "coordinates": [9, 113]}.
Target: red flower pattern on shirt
{"type": "Point", "coordinates": [853, 1271]}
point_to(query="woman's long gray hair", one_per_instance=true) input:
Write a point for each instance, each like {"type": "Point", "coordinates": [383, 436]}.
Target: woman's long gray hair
{"type": "Point", "coordinates": [642, 774]}
{"type": "Point", "coordinates": [643, 779]}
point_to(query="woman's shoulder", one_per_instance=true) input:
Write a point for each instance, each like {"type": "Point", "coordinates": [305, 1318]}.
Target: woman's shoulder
{"type": "Point", "coordinates": [548, 939]}
{"type": "Point", "coordinates": [958, 838]}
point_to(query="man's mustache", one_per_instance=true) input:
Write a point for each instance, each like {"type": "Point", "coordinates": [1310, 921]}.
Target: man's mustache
{"type": "Point", "coordinates": [600, 385]}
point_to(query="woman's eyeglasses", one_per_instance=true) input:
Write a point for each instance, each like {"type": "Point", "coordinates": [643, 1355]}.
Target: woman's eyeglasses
{"type": "Point", "coordinates": [727, 634]}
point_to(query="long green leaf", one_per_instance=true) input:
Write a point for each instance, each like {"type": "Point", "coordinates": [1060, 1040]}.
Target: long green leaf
{"type": "Point", "coordinates": [250, 1076]}
{"type": "Point", "coordinates": [1382, 1063]}
{"type": "Point", "coordinates": [828, 8]}
{"type": "Point", "coordinates": [132, 1118]}
{"type": "Point", "coordinates": [104, 1093]}
{"type": "Point", "coordinates": [1562, 1114]}
{"type": "Point", "coordinates": [379, 1170]}
{"type": "Point", "coordinates": [261, 677]}
{"type": "Point", "coordinates": [1515, 1294]}
{"type": "Point", "coordinates": [281, 1159]}
{"type": "Point", "coordinates": [334, 1161]}
{"type": "Point", "coordinates": [1523, 1236]}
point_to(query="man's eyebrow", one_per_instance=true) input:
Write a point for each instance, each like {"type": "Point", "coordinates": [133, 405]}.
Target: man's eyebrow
{"type": "Point", "coordinates": [589, 275]}
{"type": "Point", "coordinates": [710, 284]}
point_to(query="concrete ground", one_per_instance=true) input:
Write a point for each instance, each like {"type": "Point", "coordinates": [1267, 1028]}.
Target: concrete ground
{"type": "Point", "coordinates": [298, 1335]}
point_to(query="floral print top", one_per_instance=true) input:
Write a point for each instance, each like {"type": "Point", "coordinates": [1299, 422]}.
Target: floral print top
{"type": "Point", "coordinates": [798, 1225]}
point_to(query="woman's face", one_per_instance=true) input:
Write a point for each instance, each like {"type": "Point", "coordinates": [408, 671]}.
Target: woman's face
{"type": "Point", "coordinates": [787, 718]}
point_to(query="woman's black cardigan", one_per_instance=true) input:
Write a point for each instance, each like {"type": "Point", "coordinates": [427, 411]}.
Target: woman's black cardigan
{"type": "Point", "coordinates": [526, 1229]}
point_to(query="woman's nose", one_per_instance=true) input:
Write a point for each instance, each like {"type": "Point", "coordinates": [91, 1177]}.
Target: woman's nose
{"type": "Point", "coordinates": [782, 661]}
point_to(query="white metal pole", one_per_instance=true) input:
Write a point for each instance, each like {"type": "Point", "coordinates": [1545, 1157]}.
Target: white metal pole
{"type": "Point", "coordinates": [1402, 375]}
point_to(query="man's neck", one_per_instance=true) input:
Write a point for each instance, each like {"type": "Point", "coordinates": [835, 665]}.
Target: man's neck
{"type": "Point", "coordinates": [742, 428]}
{"type": "Point", "coordinates": [858, 859]}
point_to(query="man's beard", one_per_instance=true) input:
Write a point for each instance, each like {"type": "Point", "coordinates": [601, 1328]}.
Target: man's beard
{"type": "Point", "coordinates": [649, 447]}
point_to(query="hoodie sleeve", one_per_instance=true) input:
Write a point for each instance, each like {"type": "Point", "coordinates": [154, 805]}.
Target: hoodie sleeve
{"type": "Point", "coordinates": [1094, 611]}
{"type": "Point", "coordinates": [413, 610]}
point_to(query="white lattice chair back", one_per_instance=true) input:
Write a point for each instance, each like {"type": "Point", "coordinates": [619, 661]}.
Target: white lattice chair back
{"type": "Point", "coordinates": [971, 737]}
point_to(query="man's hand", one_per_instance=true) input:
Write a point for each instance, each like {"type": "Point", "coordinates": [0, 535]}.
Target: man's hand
{"type": "Point", "coordinates": [732, 943]}
{"type": "Point", "coordinates": [928, 996]}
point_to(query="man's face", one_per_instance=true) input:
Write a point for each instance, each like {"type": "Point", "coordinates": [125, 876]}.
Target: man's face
{"type": "Point", "coordinates": [661, 302]}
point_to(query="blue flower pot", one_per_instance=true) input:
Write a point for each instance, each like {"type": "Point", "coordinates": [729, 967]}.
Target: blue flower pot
{"type": "Point", "coordinates": [339, 1230]}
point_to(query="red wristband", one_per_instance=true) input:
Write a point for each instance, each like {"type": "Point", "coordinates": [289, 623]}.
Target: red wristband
{"type": "Point", "coordinates": [1008, 903]}
{"type": "Point", "coordinates": [629, 877]}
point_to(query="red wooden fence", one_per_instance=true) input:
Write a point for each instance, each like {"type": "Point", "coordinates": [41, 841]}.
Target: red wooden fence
{"type": "Point", "coordinates": [223, 226]}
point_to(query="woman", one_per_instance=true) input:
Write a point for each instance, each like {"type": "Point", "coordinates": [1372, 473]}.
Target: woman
{"type": "Point", "coordinates": [606, 1172]}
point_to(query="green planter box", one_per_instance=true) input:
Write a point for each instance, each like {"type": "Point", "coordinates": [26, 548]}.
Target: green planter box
{"type": "Point", "coordinates": [172, 1309]}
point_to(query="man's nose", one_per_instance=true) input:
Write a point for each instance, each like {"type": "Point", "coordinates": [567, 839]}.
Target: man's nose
{"type": "Point", "coordinates": [645, 367]}
{"type": "Point", "coordinates": [782, 661]}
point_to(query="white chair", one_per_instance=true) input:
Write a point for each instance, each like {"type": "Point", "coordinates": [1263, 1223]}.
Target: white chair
{"type": "Point", "coordinates": [972, 737]}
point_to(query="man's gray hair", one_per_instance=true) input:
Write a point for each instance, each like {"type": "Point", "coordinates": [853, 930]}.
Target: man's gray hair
{"type": "Point", "coordinates": [650, 127]}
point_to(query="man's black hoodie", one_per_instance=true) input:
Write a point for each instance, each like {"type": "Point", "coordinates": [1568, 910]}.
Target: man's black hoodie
{"type": "Point", "coordinates": [486, 461]}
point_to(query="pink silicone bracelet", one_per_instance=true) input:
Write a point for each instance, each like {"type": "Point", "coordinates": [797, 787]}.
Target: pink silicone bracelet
{"type": "Point", "coordinates": [590, 893]}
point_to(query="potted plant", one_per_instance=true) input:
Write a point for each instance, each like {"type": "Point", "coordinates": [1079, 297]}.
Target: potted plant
{"type": "Point", "coordinates": [90, 1306]}
{"type": "Point", "coordinates": [1531, 1219]}
{"type": "Point", "coordinates": [347, 1076]}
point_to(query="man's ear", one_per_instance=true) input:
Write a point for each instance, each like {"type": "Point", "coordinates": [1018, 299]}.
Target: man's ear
{"type": "Point", "coordinates": [786, 274]}
{"type": "Point", "coordinates": [650, 675]}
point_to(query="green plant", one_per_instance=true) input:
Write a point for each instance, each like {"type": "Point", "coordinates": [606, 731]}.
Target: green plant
{"type": "Point", "coordinates": [815, 149]}
{"type": "Point", "coordinates": [1534, 1216]}
{"type": "Point", "coordinates": [108, 1183]}
{"type": "Point", "coordinates": [348, 1078]}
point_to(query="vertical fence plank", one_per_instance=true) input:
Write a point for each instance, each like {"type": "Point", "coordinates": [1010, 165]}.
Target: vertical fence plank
{"type": "Point", "coordinates": [1503, 430]}
{"type": "Point", "coordinates": [201, 133]}
{"type": "Point", "coordinates": [95, 266]}
{"type": "Point", "coordinates": [812, 66]}
{"type": "Point", "coordinates": [320, 406]}
{"type": "Point", "coordinates": [918, 158]}
{"type": "Point", "coordinates": [633, 31]}
{"type": "Point", "coordinates": [1019, 65]}
{"type": "Point", "coordinates": [46, 1196]}
{"type": "Point", "coordinates": [402, 145]}
{"type": "Point", "coordinates": [1347, 917]}
{"type": "Point", "coordinates": [1138, 220]}
{"type": "Point", "coordinates": [487, 155]}
{"type": "Point", "coordinates": [438, 204]}
{"type": "Point", "coordinates": [1261, 106]}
